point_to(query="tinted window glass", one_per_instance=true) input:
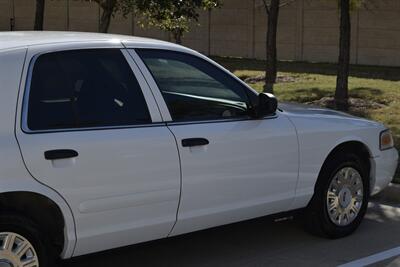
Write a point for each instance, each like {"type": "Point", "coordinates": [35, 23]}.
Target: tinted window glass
{"type": "Point", "coordinates": [84, 88]}
{"type": "Point", "coordinates": [193, 88]}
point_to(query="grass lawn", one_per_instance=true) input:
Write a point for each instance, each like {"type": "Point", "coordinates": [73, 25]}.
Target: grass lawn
{"type": "Point", "coordinates": [306, 82]}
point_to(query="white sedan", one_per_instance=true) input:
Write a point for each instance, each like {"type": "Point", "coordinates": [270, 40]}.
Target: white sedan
{"type": "Point", "coordinates": [110, 140]}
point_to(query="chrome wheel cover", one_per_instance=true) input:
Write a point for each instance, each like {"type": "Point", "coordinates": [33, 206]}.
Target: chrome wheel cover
{"type": "Point", "coordinates": [16, 251]}
{"type": "Point", "coordinates": [345, 196]}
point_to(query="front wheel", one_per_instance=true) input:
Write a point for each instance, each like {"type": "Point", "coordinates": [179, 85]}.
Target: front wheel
{"type": "Point", "coordinates": [341, 197]}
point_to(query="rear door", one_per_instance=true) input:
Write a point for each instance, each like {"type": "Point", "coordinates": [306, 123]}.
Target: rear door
{"type": "Point", "coordinates": [90, 129]}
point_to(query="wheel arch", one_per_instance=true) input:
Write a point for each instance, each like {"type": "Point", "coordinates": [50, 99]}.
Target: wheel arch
{"type": "Point", "coordinates": [41, 210]}
{"type": "Point", "coordinates": [35, 202]}
{"type": "Point", "coordinates": [357, 147]}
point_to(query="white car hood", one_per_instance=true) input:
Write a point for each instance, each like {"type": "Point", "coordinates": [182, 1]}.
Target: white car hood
{"type": "Point", "coordinates": [310, 111]}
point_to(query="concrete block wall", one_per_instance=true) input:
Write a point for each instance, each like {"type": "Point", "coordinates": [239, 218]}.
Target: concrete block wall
{"type": "Point", "coordinates": [199, 36]}
{"type": "Point", "coordinates": [5, 15]}
{"type": "Point", "coordinates": [308, 29]}
{"type": "Point", "coordinates": [23, 14]}
{"type": "Point", "coordinates": [56, 16]}
{"type": "Point", "coordinates": [320, 31]}
{"type": "Point", "coordinates": [231, 30]}
{"type": "Point", "coordinates": [379, 34]}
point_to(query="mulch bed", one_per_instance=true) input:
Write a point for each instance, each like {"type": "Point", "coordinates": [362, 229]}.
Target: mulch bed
{"type": "Point", "coordinates": [357, 105]}
{"type": "Point", "coordinates": [279, 79]}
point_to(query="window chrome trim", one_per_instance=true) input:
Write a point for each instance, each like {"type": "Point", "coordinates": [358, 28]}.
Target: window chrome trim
{"type": "Point", "coordinates": [26, 95]}
{"type": "Point", "coordinates": [25, 105]}
{"type": "Point", "coordinates": [237, 119]}
{"type": "Point", "coordinates": [87, 129]}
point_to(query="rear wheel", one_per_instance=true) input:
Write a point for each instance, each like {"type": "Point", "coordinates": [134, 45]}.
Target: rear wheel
{"type": "Point", "coordinates": [22, 244]}
{"type": "Point", "coordinates": [341, 197]}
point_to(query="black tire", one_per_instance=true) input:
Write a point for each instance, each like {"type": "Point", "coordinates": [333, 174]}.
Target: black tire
{"type": "Point", "coordinates": [317, 220]}
{"type": "Point", "coordinates": [29, 230]}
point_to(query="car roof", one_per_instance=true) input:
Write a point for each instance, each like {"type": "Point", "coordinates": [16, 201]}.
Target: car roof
{"type": "Point", "coordinates": [18, 39]}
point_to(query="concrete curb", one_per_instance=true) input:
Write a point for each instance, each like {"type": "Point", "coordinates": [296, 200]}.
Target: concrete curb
{"type": "Point", "coordinates": [391, 194]}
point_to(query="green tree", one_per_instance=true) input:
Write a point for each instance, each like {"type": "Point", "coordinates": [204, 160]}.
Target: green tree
{"type": "Point", "coordinates": [174, 16]}
{"type": "Point", "coordinates": [342, 82]}
{"type": "Point", "coordinates": [272, 8]}
{"type": "Point", "coordinates": [110, 8]}
{"type": "Point", "coordinates": [39, 15]}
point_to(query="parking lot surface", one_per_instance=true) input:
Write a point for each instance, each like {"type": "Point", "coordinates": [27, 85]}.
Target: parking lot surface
{"type": "Point", "coordinates": [263, 242]}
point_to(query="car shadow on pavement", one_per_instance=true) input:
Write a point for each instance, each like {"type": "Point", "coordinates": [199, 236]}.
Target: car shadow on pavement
{"type": "Point", "coordinates": [258, 242]}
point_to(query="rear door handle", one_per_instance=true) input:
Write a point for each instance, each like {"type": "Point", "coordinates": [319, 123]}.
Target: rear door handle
{"type": "Point", "coordinates": [194, 142]}
{"type": "Point", "coordinates": [60, 154]}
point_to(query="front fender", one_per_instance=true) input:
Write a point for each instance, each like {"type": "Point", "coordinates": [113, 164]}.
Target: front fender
{"type": "Point", "coordinates": [318, 136]}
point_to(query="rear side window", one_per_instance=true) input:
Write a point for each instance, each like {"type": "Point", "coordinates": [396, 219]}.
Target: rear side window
{"type": "Point", "coordinates": [84, 88]}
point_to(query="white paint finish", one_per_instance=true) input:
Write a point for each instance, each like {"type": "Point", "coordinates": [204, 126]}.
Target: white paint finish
{"type": "Point", "coordinates": [11, 68]}
{"type": "Point", "coordinates": [384, 166]}
{"type": "Point", "coordinates": [63, 163]}
{"type": "Point", "coordinates": [249, 169]}
{"type": "Point", "coordinates": [125, 182]}
{"type": "Point", "coordinates": [18, 39]}
{"type": "Point", "coordinates": [378, 257]}
{"type": "Point", "coordinates": [129, 201]}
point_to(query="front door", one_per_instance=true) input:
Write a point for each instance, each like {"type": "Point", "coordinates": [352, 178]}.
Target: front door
{"type": "Point", "coordinates": [91, 133]}
{"type": "Point", "coordinates": [233, 167]}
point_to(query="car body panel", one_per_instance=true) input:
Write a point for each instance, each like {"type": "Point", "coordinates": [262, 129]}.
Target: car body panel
{"type": "Point", "coordinates": [24, 39]}
{"type": "Point", "coordinates": [107, 185]}
{"type": "Point", "coordinates": [248, 170]}
{"type": "Point", "coordinates": [320, 131]}
{"type": "Point", "coordinates": [110, 193]}
{"type": "Point", "coordinates": [384, 168]}
{"type": "Point", "coordinates": [14, 176]}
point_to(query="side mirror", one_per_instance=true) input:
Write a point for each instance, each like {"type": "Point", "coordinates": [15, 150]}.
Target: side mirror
{"type": "Point", "coordinates": [267, 105]}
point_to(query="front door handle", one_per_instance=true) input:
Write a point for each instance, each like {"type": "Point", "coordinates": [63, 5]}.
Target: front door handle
{"type": "Point", "coordinates": [194, 142]}
{"type": "Point", "coordinates": [60, 154]}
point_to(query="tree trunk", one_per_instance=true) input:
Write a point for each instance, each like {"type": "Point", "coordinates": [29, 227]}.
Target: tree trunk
{"type": "Point", "coordinates": [39, 16]}
{"type": "Point", "coordinates": [108, 10]}
{"type": "Point", "coordinates": [178, 36]}
{"type": "Point", "coordinates": [271, 67]}
{"type": "Point", "coordinates": [342, 90]}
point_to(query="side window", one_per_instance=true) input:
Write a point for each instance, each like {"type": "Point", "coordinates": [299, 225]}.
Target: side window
{"type": "Point", "coordinates": [193, 88]}
{"type": "Point", "coordinates": [84, 88]}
